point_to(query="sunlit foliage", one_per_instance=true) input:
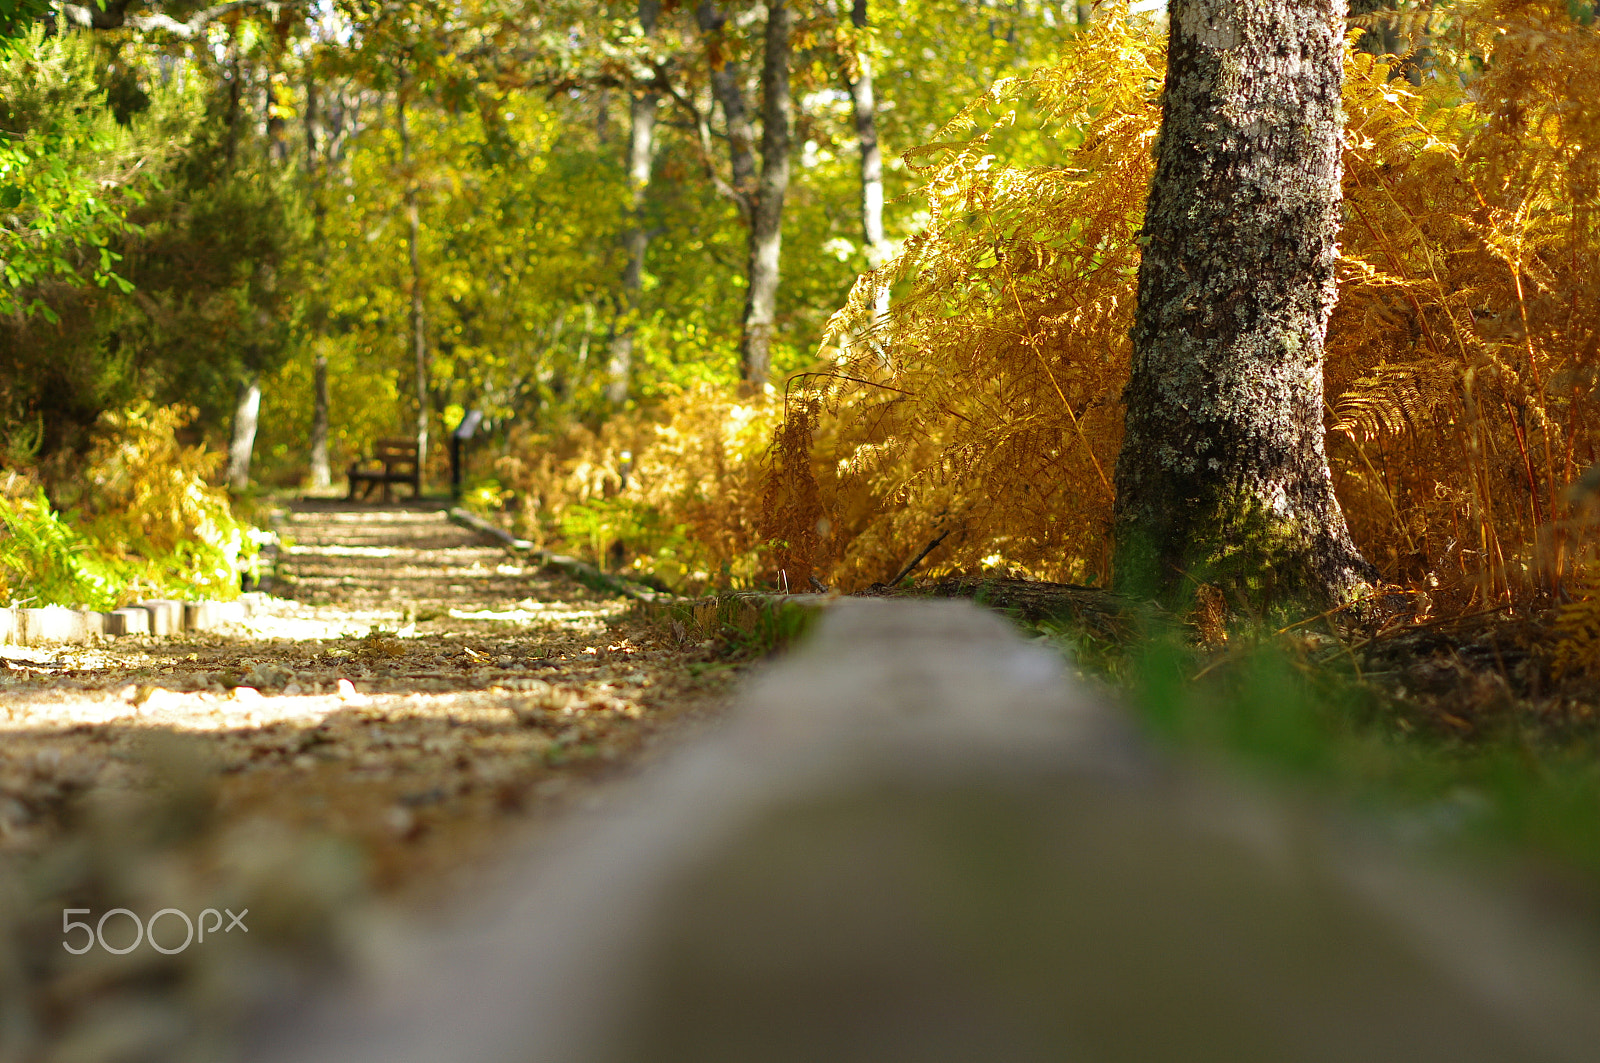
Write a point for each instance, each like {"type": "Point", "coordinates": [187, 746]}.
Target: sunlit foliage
{"type": "Point", "coordinates": [1461, 361]}
{"type": "Point", "coordinates": [144, 523]}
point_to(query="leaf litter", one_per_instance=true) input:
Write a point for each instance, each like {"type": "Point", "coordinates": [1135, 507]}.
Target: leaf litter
{"type": "Point", "coordinates": [344, 760]}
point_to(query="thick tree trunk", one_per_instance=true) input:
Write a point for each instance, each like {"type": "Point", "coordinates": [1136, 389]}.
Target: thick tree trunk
{"type": "Point", "coordinates": [866, 114]}
{"type": "Point", "coordinates": [246, 415]}
{"type": "Point", "coordinates": [641, 154]}
{"type": "Point", "coordinates": [1222, 476]}
{"type": "Point", "coordinates": [419, 331]}
{"type": "Point", "coordinates": [766, 214]}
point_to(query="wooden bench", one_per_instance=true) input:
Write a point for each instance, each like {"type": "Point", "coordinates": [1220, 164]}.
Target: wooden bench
{"type": "Point", "coordinates": [393, 461]}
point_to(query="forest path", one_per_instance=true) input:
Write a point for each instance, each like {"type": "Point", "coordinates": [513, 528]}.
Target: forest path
{"type": "Point", "coordinates": [360, 751]}
{"type": "Point", "coordinates": [413, 691]}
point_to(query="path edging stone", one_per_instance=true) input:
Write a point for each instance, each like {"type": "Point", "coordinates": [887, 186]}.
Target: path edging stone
{"type": "Point", "coordinates": [54, 625]}
{"type": "Point", "coordinates": [922, 807]}
{"type": "Point", "coordinates": [581, 571]}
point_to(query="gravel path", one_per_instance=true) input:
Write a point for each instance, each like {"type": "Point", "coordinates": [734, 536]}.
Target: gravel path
{"type": "Point", "coordinates": [411, 700]}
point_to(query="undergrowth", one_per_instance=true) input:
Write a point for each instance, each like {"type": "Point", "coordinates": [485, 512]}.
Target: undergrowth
{"type": "Point", "coordinates": [139, 519]}
{"type": "Point", "coordinates": [742, 625]}
{"type": "Point", "coordinates": [1462, 358]}
{"type": "Point", "coordinates": [672, 498]}
{"type": "Point", "coordinates": [1481, 769]}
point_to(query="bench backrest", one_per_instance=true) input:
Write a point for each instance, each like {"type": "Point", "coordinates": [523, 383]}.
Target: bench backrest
{"type": "Point", "coordinates": [395, 452]}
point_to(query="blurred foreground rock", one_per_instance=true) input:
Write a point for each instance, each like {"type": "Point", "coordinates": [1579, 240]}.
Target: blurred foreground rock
{"type": "Point", "coordinates": [918, 841]}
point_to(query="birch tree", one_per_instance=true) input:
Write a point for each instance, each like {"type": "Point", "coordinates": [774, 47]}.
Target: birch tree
{"type": "Point", "coordinates": [760, 196]}
{"type": "Point", "coordinates": [641, 155]}
{"type": "Point", "coordinates": [864, 106]}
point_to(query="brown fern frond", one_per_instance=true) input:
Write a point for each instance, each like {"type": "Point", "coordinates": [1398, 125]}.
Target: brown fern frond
{"type": "Point", "coordinates": [1395, 398]}
{"type": "Point", "coordinates": [1463, 356]}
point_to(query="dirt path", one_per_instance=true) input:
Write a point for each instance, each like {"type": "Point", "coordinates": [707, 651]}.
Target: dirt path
{"type": "Point", "coordinates": [412, 697]}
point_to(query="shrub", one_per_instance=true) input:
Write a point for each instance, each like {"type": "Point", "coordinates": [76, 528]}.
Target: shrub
{"type": "Point", "coordinates": [673, 496]}
{"type": "Point", "coordinates": [43, 560]}
{"type": "Point", "coordinates": [148, 524]}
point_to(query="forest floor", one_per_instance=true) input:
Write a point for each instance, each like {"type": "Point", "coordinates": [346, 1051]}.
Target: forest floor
{"type": "Point", "coordinates": [413, 702]}
{"type": "Point", "coordinates": [376, 733]}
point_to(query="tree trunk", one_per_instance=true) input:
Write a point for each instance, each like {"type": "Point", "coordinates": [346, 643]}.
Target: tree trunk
{"type": "Point", "coordinates": [760, 200]}
{"type": "Point", "coordinates": [419, 333]}
{"type": "Point", "coordinates": [866, 113]}
{"type": "Point", "coordinates": [1222, 477]}
{"type": "Point", "coordinates": [277, 129]}
{"type": "Point", "coordinates": [766, 214]}
{"type": "Point", "coordinates": [235, 78]}
{"type": "Point", "coordinates": [246, 414]}
{"type": "Point", "coordinates": [726, 85]}
{"type": "Point", "coordinates": [321, 474]}
{"type": "Point", "coordinates": [641, 153]}
{"type": "Point", "coordinates": [1381, 39]}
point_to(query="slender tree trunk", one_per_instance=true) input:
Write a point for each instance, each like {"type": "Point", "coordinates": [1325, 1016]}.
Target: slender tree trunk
{"type": "Point", "coordinates": [419, 332]}
{"type": "Point", "coordinates": [766, 215]}
{"type": "Point", "coordinates": [760, 199]}
{"type": "Point", "coordinates": [246, 415]}
{"type": "Point", "coordinates": [727, 85]}
{"type": "Point", "coordinates": [602, 117]}
{"type": "Point", "coordinates": [866, 114]}
{"type": "Point", "coordinates": [277, 130]}
{"type": "Point", "coordinates": [235, 100]}
{"type": "Point", "coordinates": [641, 154]}
{"type": "Point", "coordinates": [321, 473]}
{"type": "Point", "coordinates": [1222, 476]}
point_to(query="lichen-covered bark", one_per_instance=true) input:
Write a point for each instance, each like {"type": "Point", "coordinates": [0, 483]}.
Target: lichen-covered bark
{"type": "Point", "coordinates": [1223, 476]}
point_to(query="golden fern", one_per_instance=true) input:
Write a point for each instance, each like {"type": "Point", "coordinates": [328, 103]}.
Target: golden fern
{"type": "Point", "coordinates": [1463, 353]}
{"type": "Point", "coordinates": [1395, 398]}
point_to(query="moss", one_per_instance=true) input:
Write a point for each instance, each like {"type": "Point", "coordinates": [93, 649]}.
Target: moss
{"type": "Point", "coordinates": [1261, 560]}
